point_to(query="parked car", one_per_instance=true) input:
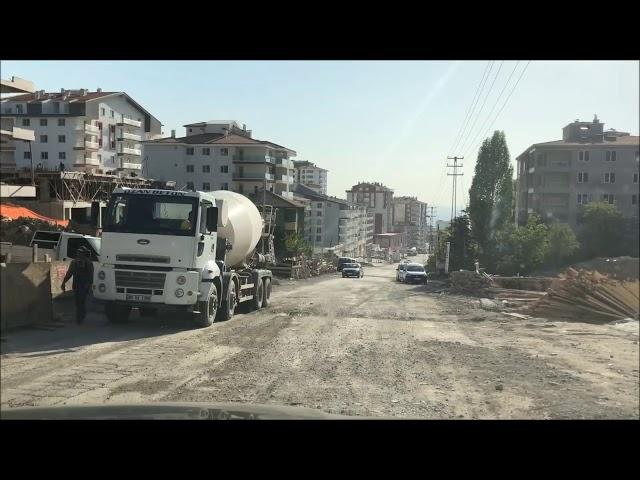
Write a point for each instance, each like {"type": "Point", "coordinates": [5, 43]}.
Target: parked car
{"type": "Point", "coordinates": [352, 270]}
{"type": "Point", "coordinates": [414, 273]}
{"type": "Point", "coordinates": [344, 260]}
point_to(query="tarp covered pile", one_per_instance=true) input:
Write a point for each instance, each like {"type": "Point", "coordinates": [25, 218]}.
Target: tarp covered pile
{"type": "Point", "coordinates": [589, 296]}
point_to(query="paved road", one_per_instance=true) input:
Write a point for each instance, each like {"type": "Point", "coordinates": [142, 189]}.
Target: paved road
{"type": "Point", "coordinates": [364, 346]}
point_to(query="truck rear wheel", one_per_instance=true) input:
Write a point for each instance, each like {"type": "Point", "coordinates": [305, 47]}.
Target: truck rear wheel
{"type": "Point", "coordinates": [229, 303]}
{"type": "Point", "coordinates": [208, 309]}
{"type": "Point", "coordinates": [258, 295]}
{"type": "Point", "coordinates": [117, 313]}
{"type": "Point", "coordinates": [267, 292]}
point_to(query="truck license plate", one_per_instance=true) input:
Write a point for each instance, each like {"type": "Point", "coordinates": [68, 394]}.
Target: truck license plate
{"type": "Point", "coordinates": [139, 298]}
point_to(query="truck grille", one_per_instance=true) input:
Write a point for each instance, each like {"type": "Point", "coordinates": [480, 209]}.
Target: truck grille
{"type": "Point", "coordinates": [142, 258]}
{"type": "Point", "coordinates": [150, 280]}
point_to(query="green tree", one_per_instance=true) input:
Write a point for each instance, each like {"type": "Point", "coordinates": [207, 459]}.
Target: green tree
{"type": "Point", "coordinates": [463, 250]}
{"type": "Point", "coordinates": [522, 249]}
{"type": "Point", "coordinates": [603, 230]}
{"type": "Point", "coordinates": [491, 195]}
{"type": "Point", "coordinates": [294, 244]}
{"type": "Point", "coordinates": [562, 244]}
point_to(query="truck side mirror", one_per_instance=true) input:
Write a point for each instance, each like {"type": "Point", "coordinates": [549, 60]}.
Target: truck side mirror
{"type": "Point", "coordinates": [212, 219]}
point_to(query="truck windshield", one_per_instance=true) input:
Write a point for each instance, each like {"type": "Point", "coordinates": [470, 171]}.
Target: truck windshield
{"type": "Point", "coordinates": [415, 268]}
{"type": "Point", "coordinates": [152, 214]}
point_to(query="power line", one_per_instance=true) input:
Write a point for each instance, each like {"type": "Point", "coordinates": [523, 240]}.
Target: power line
{"type": "Point", "coordinates": [473, 107]}
{"type": "Point", "coordinates": [495, 103]}
{"type": "Point", "coordinates": [482, 106]}
{"type": "Point", "coordinates": [456, 139]}
{"type": "Point", "coordinates": [504, 104]}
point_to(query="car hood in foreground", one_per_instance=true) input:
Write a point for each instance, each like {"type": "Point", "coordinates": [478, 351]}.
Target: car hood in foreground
{"type": "Point", "coordinates": [170, 411]}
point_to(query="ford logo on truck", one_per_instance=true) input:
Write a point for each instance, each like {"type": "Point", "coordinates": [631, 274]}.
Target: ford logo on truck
{"type": "Point", "coordinates": [143, 241]}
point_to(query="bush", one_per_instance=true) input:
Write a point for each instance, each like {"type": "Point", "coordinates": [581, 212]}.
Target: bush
{"type": "Point", "coordinates": [562, 244]}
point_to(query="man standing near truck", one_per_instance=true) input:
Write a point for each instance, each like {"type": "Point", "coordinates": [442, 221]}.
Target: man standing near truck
{"type": "Point", "coordinates": [81, 269]}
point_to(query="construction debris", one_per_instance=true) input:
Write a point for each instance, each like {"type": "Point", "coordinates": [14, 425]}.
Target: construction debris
{"type": "Point", "coordinates": [589, 296]}
{"type": "Point", "coordinates": [469, 282]}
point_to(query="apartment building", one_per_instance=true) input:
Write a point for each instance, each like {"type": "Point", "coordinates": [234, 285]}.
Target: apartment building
{"type": "Point", "coordinates": [557, 178]}
{"type": "Point", "coordinates": [10, 132]}
{"type": "Point", "coordinates": [79, 130]}
{"type": "Point", "coordinates": [410, 217]}
{"type": "Point", "coordinates": [219, 155]}
{"type": "Point", "coordinates": [310, 175]}
{"type": "Point", "coordinates": [378, 201]}
{"type": "Point", "coordinates": [331, 222]}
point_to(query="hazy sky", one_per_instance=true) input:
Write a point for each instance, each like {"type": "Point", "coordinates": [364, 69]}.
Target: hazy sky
{"type": "Point", "coordinates": [389, 121]}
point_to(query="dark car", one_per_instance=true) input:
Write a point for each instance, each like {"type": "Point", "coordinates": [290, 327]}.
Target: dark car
{"type": "Point", "coordinates": [414, 273]}
{"type": "Point", "coordinates": [352, 270]}
{"type": "Point", "coordinates": [343, 260]}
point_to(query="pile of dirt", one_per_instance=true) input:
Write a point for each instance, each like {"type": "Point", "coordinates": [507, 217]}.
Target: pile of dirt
{"type": "Point", "coordinates": [469, 282]}
{"type": "Point", "coordinates": [589, 296]}
{"type": "Point", "coordinates": [619, 268]}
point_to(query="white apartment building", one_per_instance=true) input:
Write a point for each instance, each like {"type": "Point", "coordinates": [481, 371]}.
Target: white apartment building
{"type": "Point", "coordinates": [219, 155]}
{"type": "Point", "coordinates": [312, 176]}
{"type": "Point", "coordinates": [410, 217]}
{"type": "Point", "coordinates": [79, 130]}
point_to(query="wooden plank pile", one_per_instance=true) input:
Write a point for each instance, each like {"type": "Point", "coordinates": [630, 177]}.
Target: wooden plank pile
{"type": "Point", "coordinates": [589, 296]}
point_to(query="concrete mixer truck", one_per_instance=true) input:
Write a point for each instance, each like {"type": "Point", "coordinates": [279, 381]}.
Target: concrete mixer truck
{"type": "Point", "coordinates": [194, 252]}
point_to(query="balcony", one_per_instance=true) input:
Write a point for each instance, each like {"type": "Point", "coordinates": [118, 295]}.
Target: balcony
{"type": "Point", "coordinates": [255, 159]}
{"type": "Point", "coordinates": [88, 128]}
{"type": "Point", "coordinates": [87, 162]}
{"type": "Point", "coordinates": [129, 122]}
{"type": "Point", "coordinates": [284, 179]}
{"type": "Point", "coordinates": [283, 162]}
{"type": "Point", "coordinates": [129, 151]}
{"type": "Point", "coordinates": [252, 177]}
{"type": "Point", "coordinates": [129, 136]}
{"type": "Point", "coordinates": [132, 166]}
{"type": "Point", "coordinates": [89, 145]}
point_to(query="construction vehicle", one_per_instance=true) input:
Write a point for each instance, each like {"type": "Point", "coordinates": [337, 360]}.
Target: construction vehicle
{"type": "Point", "coordinates": [195, 252]}
{"type": "Point", "coordinates": [66, 244]}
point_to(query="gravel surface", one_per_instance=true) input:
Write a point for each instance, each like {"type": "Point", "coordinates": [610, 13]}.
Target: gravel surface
{"type": "Point", "coordinates": [367, 346]}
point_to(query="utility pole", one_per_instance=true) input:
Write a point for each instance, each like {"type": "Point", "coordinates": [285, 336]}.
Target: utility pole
{"type": "Point", "coordinates": [431, 247]}
{"type": "Point", "coordinates": [455, 174]}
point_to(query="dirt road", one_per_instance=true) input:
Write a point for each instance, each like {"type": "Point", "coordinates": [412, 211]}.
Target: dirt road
{"type": "Point", "coordinates": [365, 346]}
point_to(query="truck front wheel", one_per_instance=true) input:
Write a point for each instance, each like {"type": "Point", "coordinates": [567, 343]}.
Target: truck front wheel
{"type": "Point", "coordinates": [207, 309]}
{"type": "Point", "coordinates": [258, 294]}
{"type": "Point", "coordinates": [117, 313]}
{"type": "Point", "coordinates": [267, 292]}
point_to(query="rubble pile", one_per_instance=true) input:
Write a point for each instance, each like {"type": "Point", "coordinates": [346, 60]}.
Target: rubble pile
{"type": "Point", "coordinates": [589, 296]}
{"type": "Point", "coordinates": [469, 282]}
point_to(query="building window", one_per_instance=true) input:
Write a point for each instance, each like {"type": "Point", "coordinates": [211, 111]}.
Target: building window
{"type": "Point", "coordinates": [611, 156]}
{"type": "Point", "coordinates": [637, 156]}
{"type": "Point", "coordinates": [189, 168]}
{"type": "Point", "coordinates": [319, 230]}
{"type": "Point", "coordinates": [26, 155]}
{"type": "Point", "coordinates": [18, 108]}
{"type": "Point", "coordinates": [43, 122]}
{"type": "Point", "coordinates": [319, 205]}
{"type": "Point", "coordinates": [634, 199]}
{"type": "Point", "coordinates": [103, 112]}
{"type": "Point", "coordinates": [206, 151]}
{"type": "Point", "coordinates": [206, 168]}
{"type": "Point", "coordinates": [26, 122]}
{"type": "Point", "coordinates": [240, 188]}
{"type": "Point", "coordinates": [635, 178]}
{"type": "Point", "coordinates": [318, 213]}
{"type": "Point", "coordinates": [224, 169]}
{"type": "Point", "coordinates": [205, 186]}
{"type": "Point", "coordinates": [190, 150]}
{"type": "Point", "coordinates": [44, 155]}
{"type": "Point", "coordinates": [608, 197]}
{"type": "Point", "coordinates": [44, 138]}
{"type": "Point", "coordinates": [255, 189]}
{"type": "Point", "coordinates": [583, 177]}
{"type": "Point", "coordinates": [62, 139]}
{"type": "Point", "coordinates": [542, 159]}
{"type": "Point", "coordinates": [113, 114]}
{"type": "Point", "coordinates": [224, 186]}
{"type": "Point", "coordinates": [56, 107]}
{"type": "Point", "coordinates": [583, 156]}
{"type": "Point", "coordinates": [318, 238]}
{"type": "Point", "coordinates": [62, 155]}
{"type": "Point", "coordinates": [224, 152]}
{"type": "Point", "coordinates": [610, 177]}
{"type": "Point", "coordinates": [62, 122]}
{"type": "Point", "coordinates": [583, 198]}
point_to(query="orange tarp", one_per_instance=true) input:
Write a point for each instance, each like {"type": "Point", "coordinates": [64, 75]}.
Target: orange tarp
{"type": "Point", "coordinates": [14, 212]}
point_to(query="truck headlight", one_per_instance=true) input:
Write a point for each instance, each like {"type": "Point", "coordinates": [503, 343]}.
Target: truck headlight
{"type": "Point", "coordinates": [102, 287]}
{"type": "Point", "coordinates": [181, 280]}
{"type": "Point", "coordinates": [179, 292]}
{"type": "Point", "coordinates": [102, 275]}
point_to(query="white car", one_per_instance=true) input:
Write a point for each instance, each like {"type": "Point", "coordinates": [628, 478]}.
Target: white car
{"type": "Point", "coordinates": [411, 273]}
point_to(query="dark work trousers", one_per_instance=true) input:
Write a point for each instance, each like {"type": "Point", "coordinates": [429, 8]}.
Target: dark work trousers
{"type": "Point", "coordinates": [80, 293]}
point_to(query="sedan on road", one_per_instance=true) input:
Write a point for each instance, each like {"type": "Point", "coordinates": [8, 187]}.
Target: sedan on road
{"type": "Point", "coordinates": [413, 273]}
{"type": "Point", "coordinates": [352, 270]}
